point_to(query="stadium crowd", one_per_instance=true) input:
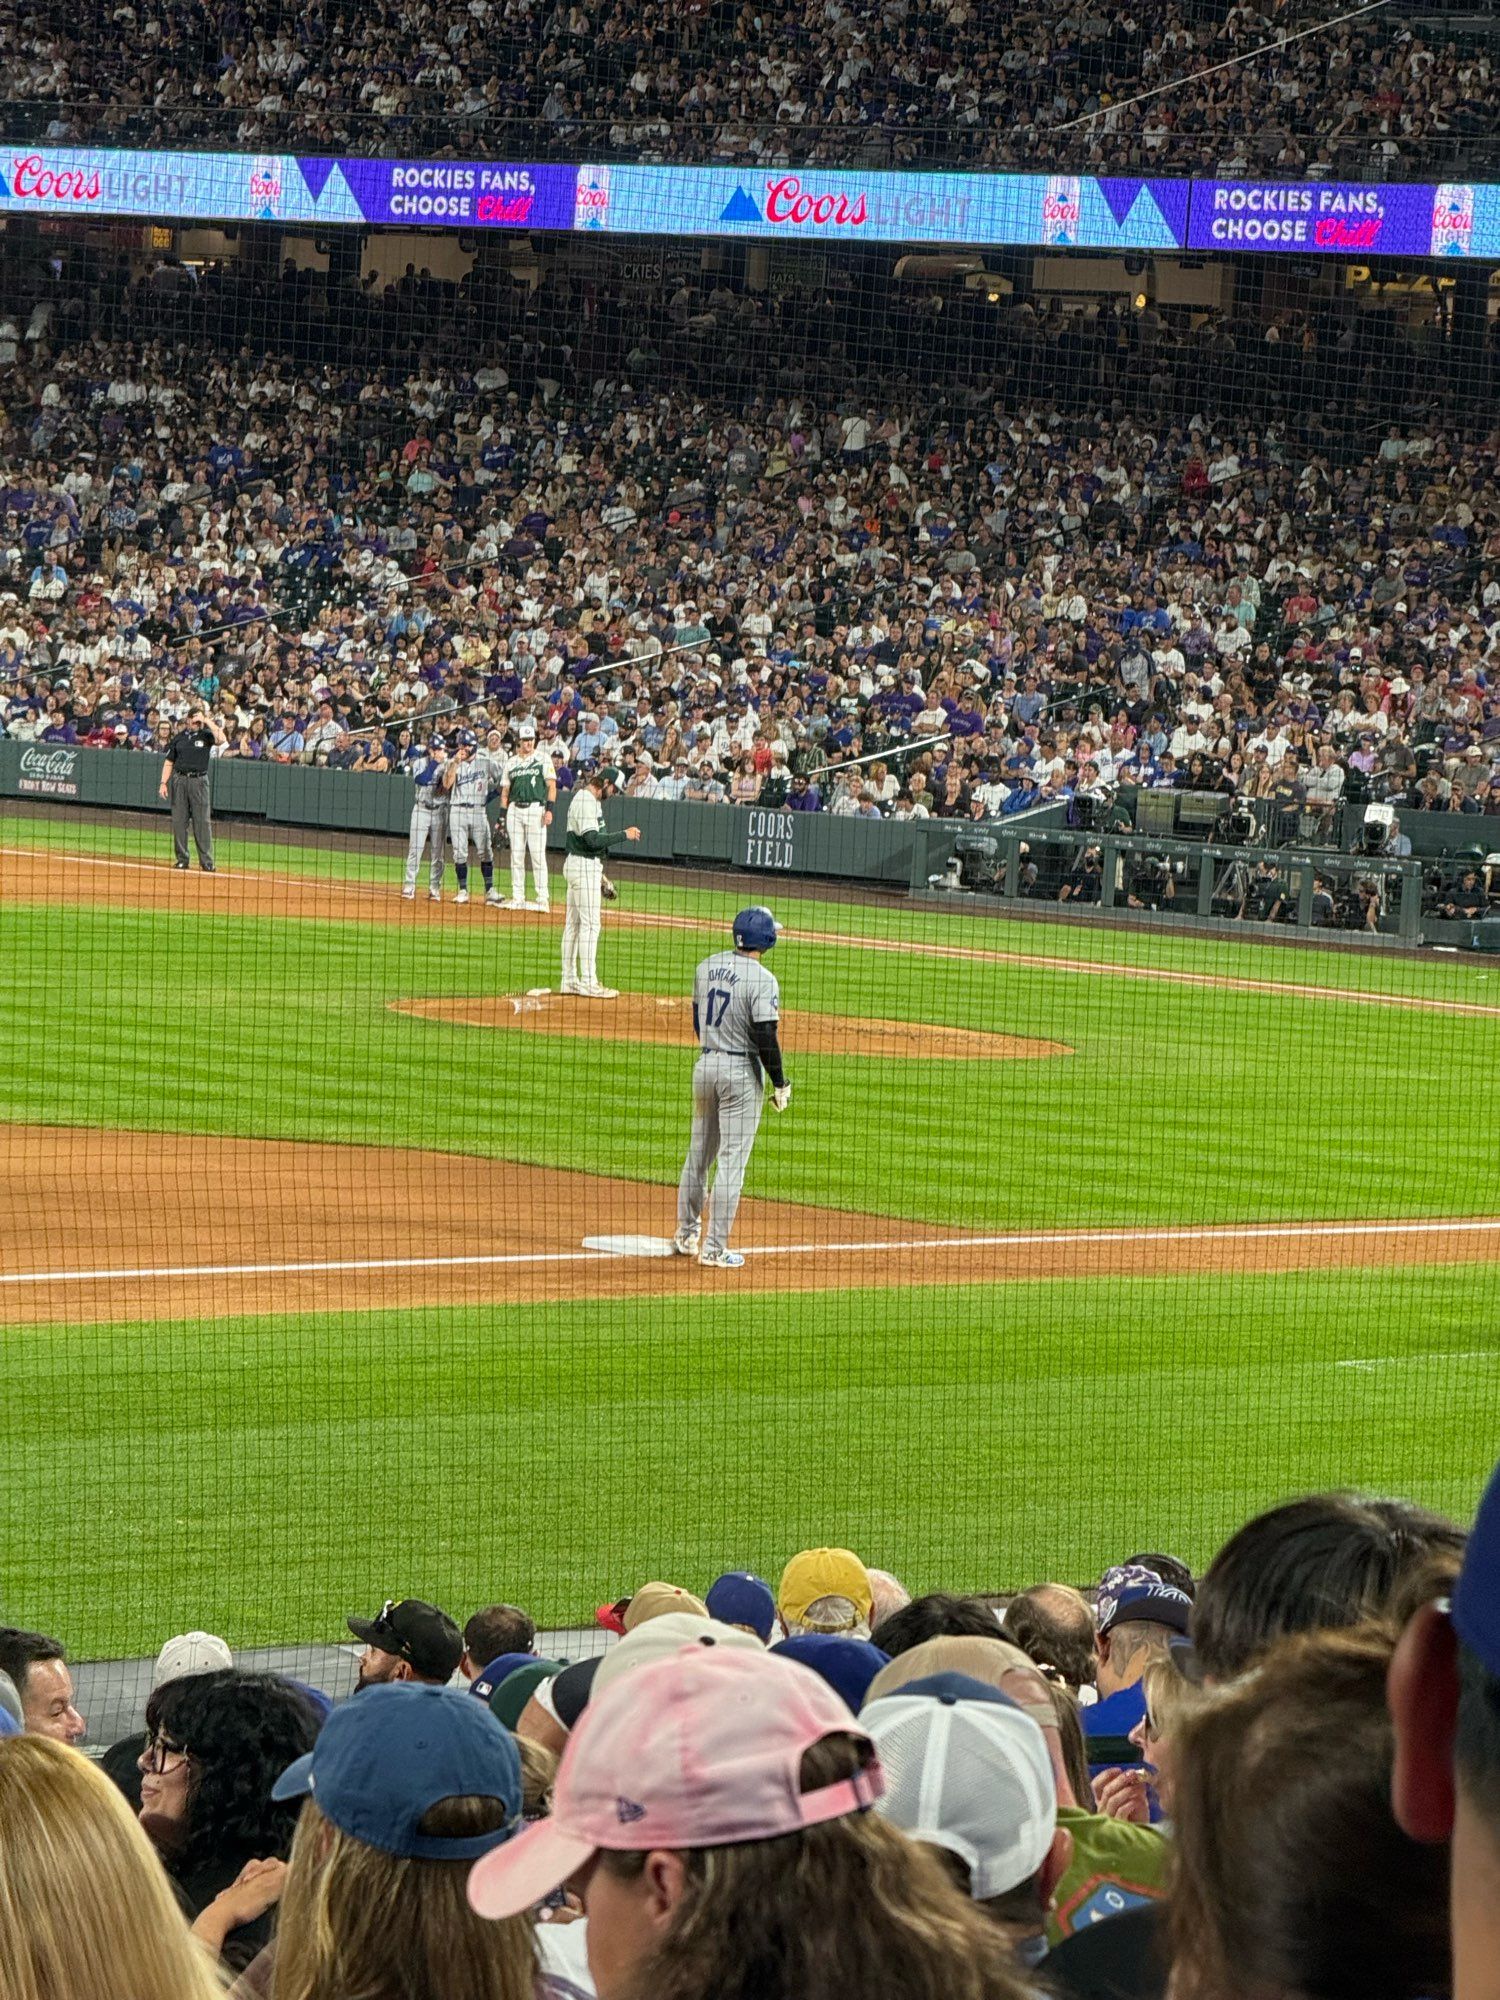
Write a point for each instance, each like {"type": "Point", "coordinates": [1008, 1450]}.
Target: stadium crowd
{"type": "Point", "coordinates": [1074, 550]}
{"type": "Point", "coordinates": [1265, 1781]}
{"type": "Point", "coordinates": [766, 82]}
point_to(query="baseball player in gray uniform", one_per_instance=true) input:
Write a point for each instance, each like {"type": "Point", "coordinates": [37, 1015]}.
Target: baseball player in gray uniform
{"type": "Point", "coordinates": [429, 820]}
{"type": "Point", "coordinates": [467, 782]}
{"type": "Point", "coordinates": [736, 1009]}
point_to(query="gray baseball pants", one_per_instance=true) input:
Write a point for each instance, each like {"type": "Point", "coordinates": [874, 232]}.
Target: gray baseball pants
{"type": "Point", "coordinates": [187, 795]}
{"type": "Point", "coordinates": [429, 824]}
{"type": "Point", "coordinates": [728, 1097]}
{"type": "Point", "coordinates": [466, 824]}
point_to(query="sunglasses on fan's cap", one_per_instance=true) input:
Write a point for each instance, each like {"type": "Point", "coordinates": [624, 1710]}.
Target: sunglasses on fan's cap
{"type": "Point", "coordinates": [415, 1631]}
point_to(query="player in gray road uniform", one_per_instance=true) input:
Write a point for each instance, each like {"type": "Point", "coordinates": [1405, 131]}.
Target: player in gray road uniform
{"type": "Point", "coordinates": [467, 783]}
{"type": "Point", "coordinates": [736, 1008]}
{"type": "Point", "coordinates": [429, 820]}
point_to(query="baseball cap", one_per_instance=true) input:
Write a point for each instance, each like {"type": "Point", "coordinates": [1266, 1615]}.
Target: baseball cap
{"type": "Point", "coordinates": [701, 1749]}
{"type": "Point", "coordinates": [190, 1653]}
{"type": "Point", "coordinates": [657, 1600]}
{"type": "Point", "coordinates": [416, 1632]}
{"type": "Point", "coordinates": [1132, 1592]}
{"type": "Point", "coordinates": [819, 1573]}
{"type": "Point", "coordinates": [571, 1690]}
{"type": "Point", "coordinates": [661, 1638]}
{"type": "Point", "coordinates": [495, 1671]}
{"type": "Point", "coordinates": [382, 1762]}
{"type": "Point", "coordinates": [740, 1598]}
{"type": "Point", "coordinates": [1476, 1595]}
{"type": "Point", "coordinates": [966, 1769]}
{"type": "Point", "coordinates": [526, 729]}
{"type": "Point", "coordinates": [509, 1690]}
{"type": "Point", "coordinates": [846, 1663]}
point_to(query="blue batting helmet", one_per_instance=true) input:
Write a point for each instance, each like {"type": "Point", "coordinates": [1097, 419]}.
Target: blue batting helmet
{"type": "Point", "coordinates": [755, 929]}
{"type": "Point", "coordinates": [464, 739]}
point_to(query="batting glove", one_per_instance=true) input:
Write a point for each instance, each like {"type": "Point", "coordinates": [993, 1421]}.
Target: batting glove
{"type": "Point", "coordinates": [781, 1097]}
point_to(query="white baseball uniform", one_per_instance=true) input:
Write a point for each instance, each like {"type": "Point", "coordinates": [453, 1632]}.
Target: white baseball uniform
{"type": "Point", "coordinates": [583, 871]}
{"type": "Point", "coordinates": [528, 781]}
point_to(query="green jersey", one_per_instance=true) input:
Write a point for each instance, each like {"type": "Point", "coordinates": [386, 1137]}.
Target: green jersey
{"type": "Point", "coordinates": [529, 778]}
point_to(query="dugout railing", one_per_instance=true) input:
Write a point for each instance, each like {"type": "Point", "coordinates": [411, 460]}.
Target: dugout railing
{"type": "Point", "coordinates": [1126, 875]}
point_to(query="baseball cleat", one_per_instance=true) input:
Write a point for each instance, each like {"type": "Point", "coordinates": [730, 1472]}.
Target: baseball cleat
{"type": "Point", "coordinates": [495, 900]}
{"type": "Point", "coordinates": [462, 896]}
{"type": "Point", "coordinates": [687, 1246]}
{"type": "Point", "coordinates": [208, 868]}
{"type": "Point", "coordinates": [512, 903]}
{"type": "Point", "coordinates": [179, 864]}
{"type": "Point", "coordinates": [599, 992]}
{"type": "Point", "coordinates": [722, 1260]}
{"type": "Point", "coordinates": [434, 895]}
{"type": "Point", "coordinates": [541, 909]}
{"type": "Point", "coordinates": [570, 986]}
{"type": "Point", "coordinates": [407, 895]}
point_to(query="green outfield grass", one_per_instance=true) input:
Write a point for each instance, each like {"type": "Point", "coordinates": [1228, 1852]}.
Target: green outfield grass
{"type": "Point", "coordinates": [265, 1476]}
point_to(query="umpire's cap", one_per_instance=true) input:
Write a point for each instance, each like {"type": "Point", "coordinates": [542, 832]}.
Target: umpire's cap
{"type": "Point", "coordinates": [755, 929]}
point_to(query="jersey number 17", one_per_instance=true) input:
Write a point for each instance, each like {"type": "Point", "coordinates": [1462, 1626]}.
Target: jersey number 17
{"type": "Point", "coordinates": [718, 1004]}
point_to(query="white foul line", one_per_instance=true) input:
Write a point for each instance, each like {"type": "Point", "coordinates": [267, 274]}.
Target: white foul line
{"type": "Point", "coordinates": [1019, 1239]}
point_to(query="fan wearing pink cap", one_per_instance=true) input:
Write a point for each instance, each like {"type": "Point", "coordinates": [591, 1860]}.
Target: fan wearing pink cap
{"type": "Point", "coordinates": [711, 1812]}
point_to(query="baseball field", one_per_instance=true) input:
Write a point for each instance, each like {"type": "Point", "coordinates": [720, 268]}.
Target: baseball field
{"type": "Point", "coordinates": [325, 1242]}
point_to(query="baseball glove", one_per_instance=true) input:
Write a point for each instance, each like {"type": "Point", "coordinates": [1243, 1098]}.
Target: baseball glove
{"type": "Point", "coordinates": [608, 890]}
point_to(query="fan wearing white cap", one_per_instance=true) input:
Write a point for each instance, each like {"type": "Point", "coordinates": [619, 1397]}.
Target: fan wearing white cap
{"type": "Point", "coordinates": [528, 792]}
{"type": "Point", "coordinates": [968, 1771]}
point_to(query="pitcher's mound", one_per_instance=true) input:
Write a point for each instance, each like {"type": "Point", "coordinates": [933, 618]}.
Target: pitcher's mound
{"type": "Point", "coordinates": [646, 1017]}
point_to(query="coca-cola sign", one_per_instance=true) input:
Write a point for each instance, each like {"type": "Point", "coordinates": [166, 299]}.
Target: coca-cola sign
{"type": "Point", "coordinates": [51, 773]}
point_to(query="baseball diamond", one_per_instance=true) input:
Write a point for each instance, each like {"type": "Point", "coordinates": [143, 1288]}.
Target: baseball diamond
{"type": "Point", "coordinates": [1025, 1222]}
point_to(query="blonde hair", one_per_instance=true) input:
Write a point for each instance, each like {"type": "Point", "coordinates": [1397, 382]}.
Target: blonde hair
{"type": "Point", "coordinates": [1170, 1698]}
{"type": "Point", "coordinates": [356, 1920]}
{"type": "Point", "coordinates": [85, 1907]}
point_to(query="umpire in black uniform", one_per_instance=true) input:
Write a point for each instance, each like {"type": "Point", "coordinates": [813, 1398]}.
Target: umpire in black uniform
{"type": "Point", "coordinates": [184, 782]}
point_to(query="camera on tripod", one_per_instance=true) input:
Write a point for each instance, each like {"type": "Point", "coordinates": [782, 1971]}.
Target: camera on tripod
{"type": "Point", "coordinates": [1377, 833]}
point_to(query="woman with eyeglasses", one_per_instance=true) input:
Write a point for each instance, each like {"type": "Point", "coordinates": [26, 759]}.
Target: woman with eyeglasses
{"type": "Point", "coordinates": [215, 1746]}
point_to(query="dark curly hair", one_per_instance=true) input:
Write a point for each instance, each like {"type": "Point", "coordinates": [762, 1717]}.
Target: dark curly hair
{"type": "Point", "coordinates": [240, 1731]}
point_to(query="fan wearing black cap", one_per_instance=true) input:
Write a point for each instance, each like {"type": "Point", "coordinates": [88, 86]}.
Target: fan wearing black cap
{"type": "Point", "coordinates": [407, 1640]}
{"type": "Point", "coordinates": [1139, 1614]}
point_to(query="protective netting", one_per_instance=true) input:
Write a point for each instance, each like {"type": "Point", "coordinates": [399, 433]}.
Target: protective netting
{"type": "Point", "coordinates": [989, 625]}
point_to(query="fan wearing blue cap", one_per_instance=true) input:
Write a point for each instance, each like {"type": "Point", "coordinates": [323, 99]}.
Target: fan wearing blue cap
{"type": "Point", "coordinates": [736, 1017]}
{"type": "Point", "coordinates": [1443, 1691]}
{"type": "Point", "coordinates": [846, 1663]}
{"type": "Point", "coordinates": [741, 1598]}
{"type": "Point", "coordinates": [405, 1788]}
{"type": "Point", "coordinates": [1139, 1614]}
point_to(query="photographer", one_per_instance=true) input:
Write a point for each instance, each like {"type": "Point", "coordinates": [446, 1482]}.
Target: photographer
{"type": "Point", "coordinates": [1468, 899]}
{"type": "Point", "coordinates": [1265, 898]}
{"type": "Point", "coordinates": [1084, 881]}
{"type": "Point", "coordinates": [1152, 886]}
